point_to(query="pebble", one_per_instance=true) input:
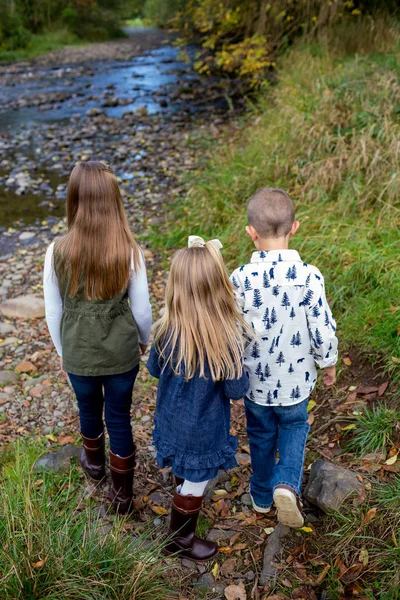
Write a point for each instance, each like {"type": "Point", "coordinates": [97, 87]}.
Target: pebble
{"type": "Point", "coordinates": [246, 499]}
{"type": "Point", "coordinates": [6, 376]}
{"type": "Point", "coordinates": [26, 235]}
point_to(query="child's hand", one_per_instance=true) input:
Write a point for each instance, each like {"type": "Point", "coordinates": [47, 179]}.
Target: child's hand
{"type": "Point", "coordinates": [143, 348]}
{"type": "Point", "coordinates": [330, 375]}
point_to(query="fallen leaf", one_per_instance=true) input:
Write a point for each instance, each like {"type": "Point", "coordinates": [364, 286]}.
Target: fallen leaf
{"type": "Point", "coordinates": [311, 418]}
{"type": "Point", "coordinates": [40, 563]}
{"type": "Point", "coordinates": [67, 439]}
{"type": "Point", "coordinates": [235, 592]}
{"type": "Point", "coordinates": [352, 573]}
{"type": "Point", "coordinates": [51, 437]}
{"type": "Point", "coordinates": [215, 570]}
{"type": "Point", "coordinates": [391, 460]}
{"type": "Point", "coordinates": [240, 546]}
{"type": "Point", "coordinates": [369, 516]}
{"type": "Point", "coordinates": [25, 367]}
{"type": "Point", "coordinates": [363, 556]}
{"type": "Point", "coordinates": [311, 405]}
{"type": "Point", "coordinates": [348, 427]}
{"type": "Point", "coordinates": [322, 575]}
{"type": "Point", "coordinates": [286, 583]}
{"type": "Point", "coordinates": [159, 510]}
{"type": "Point", "coordinates": [229, 566]}
{"type": "Point", "coordinates": [220, 492]}
{"type": "Point", "coordinates": [347, 361]}
{"type": "Point", "coordinates": [396, 360]}
{"type": "Point", "coordinates": [382, 388]}
{"type": "Point", "coordinates": [225, 550]}
{"type": "Point", "coordinates": [306, 529]}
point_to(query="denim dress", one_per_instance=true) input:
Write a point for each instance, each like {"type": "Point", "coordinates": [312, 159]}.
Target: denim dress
{"type": "Point", "coordinates": [192, 421]}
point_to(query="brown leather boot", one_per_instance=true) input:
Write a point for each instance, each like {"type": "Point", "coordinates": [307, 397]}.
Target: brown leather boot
{"type": "Point", "coordinates": [121, 492]}
{"type": "Point", "coordinates": [184, 514]}
{"type": "Point", "coordinates": [93, 458]}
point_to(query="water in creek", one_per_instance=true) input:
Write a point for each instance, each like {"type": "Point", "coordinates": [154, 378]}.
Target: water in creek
{"type": "Point", "coordinates": [44, 109]}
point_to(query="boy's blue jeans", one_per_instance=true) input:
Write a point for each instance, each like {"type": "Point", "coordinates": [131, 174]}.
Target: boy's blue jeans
{"type": "Point", "coordinates": [114, 394]}
{"type": "Point", "coordinates": [272, 428]}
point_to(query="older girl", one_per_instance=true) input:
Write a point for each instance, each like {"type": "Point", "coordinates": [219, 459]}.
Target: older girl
{"type": "Point", "coordinates": [197, 357]}
{"type": "Point", "coordinates": [99, 318]}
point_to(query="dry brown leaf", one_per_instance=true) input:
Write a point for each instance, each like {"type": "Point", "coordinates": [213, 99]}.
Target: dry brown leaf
{"type": "Point", "coordinates": [67, 439]}
{"type": "Point", "coordinates": [228, 567]}
{"type": "Point", "coordinates": [159, 510]}
{"type": "Point", "coordinates": [235, 592]}
{"type": "Point", "coordinates": [352, 573]}
{"type": "Point", "coordinates": [347, 361]}
{"type": "Point", "coordinates": [25, 367]}
{"type": "Point", "coordinates": [237, 547]}
{"type": "Point", "coordinates": [369, 516]}
{"type": "Point", "coordinates": [40, 563]}
{"type": "Point", "coordinates": [382, 388]}
{"type": "Point", "coordinates": [322, 575]}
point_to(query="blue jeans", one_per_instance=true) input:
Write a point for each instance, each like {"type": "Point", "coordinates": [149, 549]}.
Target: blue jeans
{"type": "Point", "coordinates": [114, 393]}
{"type": "Point", "coordinates": [272, 428]}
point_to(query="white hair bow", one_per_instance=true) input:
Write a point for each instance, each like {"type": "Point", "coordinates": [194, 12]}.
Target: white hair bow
{"type": "Point", "coordinates": [195, 241]}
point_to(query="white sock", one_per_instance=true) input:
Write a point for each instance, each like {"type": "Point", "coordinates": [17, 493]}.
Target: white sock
{"type": "Point", "coordinates": [189, 488]}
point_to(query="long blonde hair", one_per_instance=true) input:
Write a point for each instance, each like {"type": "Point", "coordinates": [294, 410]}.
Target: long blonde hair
{"type": "Point", "coordinates": [98, 246]}
{"type": "Point", "coordinates": [201, 324]}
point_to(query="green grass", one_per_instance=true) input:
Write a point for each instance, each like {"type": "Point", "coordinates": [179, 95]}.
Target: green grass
{"type": "Point", "coordinates": [54, 546]}
{"type": "Point", "coordinates": [328, 133]}
{"type": "Point", "coordinates": [41, 44]}
{"type": "Point", "coordinates": [374, 430]}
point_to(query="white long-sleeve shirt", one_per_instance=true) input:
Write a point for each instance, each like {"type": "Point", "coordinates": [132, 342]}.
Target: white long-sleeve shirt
{"type": "Point", "coordinates": [138, 298]}
{"type": "Point", "coordinates": [283, 299]}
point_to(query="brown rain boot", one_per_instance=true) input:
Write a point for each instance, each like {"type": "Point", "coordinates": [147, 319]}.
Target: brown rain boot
{"type": "Point", "coordinates": [184, 514]}
{"type": "Point", "coordinates": [121, 492]}
{"type": "Point", "coordinates": [93, 458]}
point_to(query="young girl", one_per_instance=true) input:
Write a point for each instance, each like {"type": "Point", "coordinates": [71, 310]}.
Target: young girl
{"type": "Point", "coordinates": [99, 318]}
{"type": "Point", "coordinates": [197, 356]}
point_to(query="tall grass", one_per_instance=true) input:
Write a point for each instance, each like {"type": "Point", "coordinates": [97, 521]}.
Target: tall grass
{"type": "Point", "coordinates": [54, 545]}
{"type": "Point", "coordinates": [329, 133]}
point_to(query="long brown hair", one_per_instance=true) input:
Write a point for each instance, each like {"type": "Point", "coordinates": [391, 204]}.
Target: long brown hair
{"type": "Point", "coordinates": [98, 245]}
{"type": "Point", "coordinates": [201, 323]}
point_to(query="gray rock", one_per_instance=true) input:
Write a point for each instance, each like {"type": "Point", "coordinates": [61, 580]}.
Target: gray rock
{"type": "Point", "coordinates": [141, 111]}
{"type": "Point", "coordinates": [57, 461]}
{"type": "Point", "coordinates": [243, 458]}
{"type": "Point", "coordinates": [10, 341]}
{"type": "Point", "coordinates": [6, 328]}
{"type": "Point", "coordinates": [94, 112]}
{"type": "Point", "coordinates": [26, 235]}
{"type": "Point", "coordinates": [246, 500]}
{"type": "Point", "coordinates": [329, 485]}
{"type": "Point", "coordinates": [206, 582]}
{"type": "Point", "coordinates": [273, 547]}
{"type": "Point", "coordinates": [189, 564]}
{"type": "Point", "coordinates": [217, 535]}
{"type": "Point", "coordinates": [7, 376]}
{"type": "Point", "coordinates": [25, 307]}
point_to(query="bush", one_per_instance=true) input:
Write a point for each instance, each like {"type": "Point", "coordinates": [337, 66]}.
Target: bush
{"type": "Point", "coordinates": [13, 34]}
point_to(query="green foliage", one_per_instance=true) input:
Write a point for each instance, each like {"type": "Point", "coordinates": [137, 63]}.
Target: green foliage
{"type": "Point", "coordinates": [242, 38]}
{"type": "Point", "coordinates": [160, 12]}
{"type": "Point", "coordinates": [328, 133]}
{"type": "Point", "coordinates": [55, 546]}
{"type": "Point", "coordinates": [374, 430]}
{"type": "Point", "coordinates": [87, 19]}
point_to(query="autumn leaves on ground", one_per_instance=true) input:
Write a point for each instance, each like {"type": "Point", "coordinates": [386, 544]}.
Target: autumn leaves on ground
{"type": "Point", "coordinates": [328, 132]}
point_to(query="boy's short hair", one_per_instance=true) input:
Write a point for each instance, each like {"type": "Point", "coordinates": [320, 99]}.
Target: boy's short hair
{"type": "Point", "coordinates": [271, 212]}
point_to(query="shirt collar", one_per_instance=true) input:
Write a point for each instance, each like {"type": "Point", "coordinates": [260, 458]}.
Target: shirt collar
{"type": "Point", "coordinates": [270, 256]}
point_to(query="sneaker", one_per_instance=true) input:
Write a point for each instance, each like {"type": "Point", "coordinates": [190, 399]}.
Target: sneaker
{"type": "Point", "coordinates": [288, 506]}
{"type": "Point", "coordinates": [260, 509]}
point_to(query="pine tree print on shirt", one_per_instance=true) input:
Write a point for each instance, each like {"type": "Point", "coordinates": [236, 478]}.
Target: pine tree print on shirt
{"type": "Point", "coordinates": [256, 350]}
{"type": "Point", "coordinates": [307, 298]}
{"type": "Point", "coordinates": [285, 300]}
{"type": "Point", "coordinates": [266, 282]}
{"type": "Point", "coordinates": [327, 322]}
{"type": "Point", "coordinates": [234, 282]}
{"type": "Point", "coordinates": [292, 313]}
{"type": "Point", "coordinates": [258, 370]}
{"type": "Point", "coordinates": [298, 339]}
{"type": "Point", "coordinates": [271, 273]}
{"type": "Point", "coordinates": [275, 290]}
{"type": "Point", "coordinates": [318, 340]}
{"type": "Point", "coordinates": [247, 284]}
{"type": "Point", "coordinates": [267, 371]}
{"type": "Point", "coordinates": [290, 370]}
{"type": "Point", "coordinates": [281, 359]}
{"type": "Point", "coordinates": [273, 317]}
{"type": "Point", "coordinates": [315, 311]}
{"type": "Point", "coordinates": [272, 347]}
{"type": "Point", "coordinates": [257, 299]}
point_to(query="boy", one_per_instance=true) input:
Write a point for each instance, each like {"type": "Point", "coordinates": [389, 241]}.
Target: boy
{"type": "Point", "coordinates": [283, 299]}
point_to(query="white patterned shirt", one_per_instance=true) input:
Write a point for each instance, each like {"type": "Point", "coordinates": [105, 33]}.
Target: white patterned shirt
{"type": "Point", "coordinates": [283, 299]}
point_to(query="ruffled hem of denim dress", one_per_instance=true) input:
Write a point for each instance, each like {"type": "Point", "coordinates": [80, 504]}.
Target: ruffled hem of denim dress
{"type": "Point", "coordinates": [193, 466]}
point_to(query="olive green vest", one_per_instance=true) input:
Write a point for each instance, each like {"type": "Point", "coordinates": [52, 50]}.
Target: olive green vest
{"type": "Point", "coordinates": [98, 337]}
